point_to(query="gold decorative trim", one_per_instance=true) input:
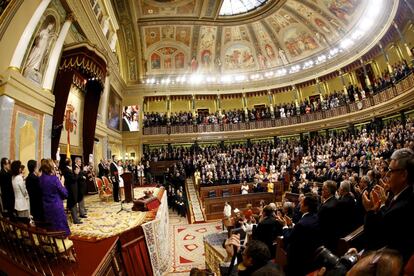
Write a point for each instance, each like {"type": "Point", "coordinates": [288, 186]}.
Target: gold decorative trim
{"type": "Point", "coordinates": [14, 68]}
{"type": "Point", "coordinates": [8, 15]}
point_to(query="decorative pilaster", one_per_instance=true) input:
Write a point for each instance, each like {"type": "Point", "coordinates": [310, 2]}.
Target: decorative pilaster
{"type": "Point", "coordinates": [6, 114]}
{"type": "Point", "coordinates": [270, 98]}
{"type": "Point", "coordinates": [105, 96]}
{"type": "Point", "coordinates": [341, 75]}
{"type": "Point", "coordinates": [244, 103]}
{"type": "Point", "coordinates": [193, 104]}
{"type": "Point", "coordinates": [168, 106]}
{"type": "Point", "coordinates": [402, 38]}
{"type": "Point", "coordinates": [387, 60]}
{"type": "Point", "coordinates": [218, 101]}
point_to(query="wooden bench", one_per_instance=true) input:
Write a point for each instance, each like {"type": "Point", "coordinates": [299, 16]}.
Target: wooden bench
{"type": "Point", "coordinates": [353, 239]}
{"type": "Point", "coordinates": [36, 249]}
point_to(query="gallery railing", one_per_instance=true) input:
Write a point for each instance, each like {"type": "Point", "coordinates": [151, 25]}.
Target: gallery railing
{"type": "Point", "coordinates": [384, 95]}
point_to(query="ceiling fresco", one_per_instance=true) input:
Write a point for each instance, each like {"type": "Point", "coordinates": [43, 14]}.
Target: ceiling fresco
{"type": "Point", "coordinates": [183, 37]}
{"type": "Point", "coordinates": [293, 32]}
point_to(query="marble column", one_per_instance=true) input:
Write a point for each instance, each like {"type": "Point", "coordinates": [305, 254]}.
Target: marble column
{"type": "Point", "coordinates": [6, 114]}
{"type": "Point", "coordinates": [244, 102]}
{"type": "Point", "coordinates": [105, 150]}
{"type": "Point", "coordinates": [50, 73]}
{"type": "Point", "coordinates": [367, 81]}
{"type": "Point", "coordinates": [168, 106]}
{"type": "Point", "coordinates": [193, 108]}
{"type": "Point", "coordinates": [103, 105]}
{"type": "Point", "coordinates": [47, 136]}
{"type": "Point", "coordinates": [23, 44]}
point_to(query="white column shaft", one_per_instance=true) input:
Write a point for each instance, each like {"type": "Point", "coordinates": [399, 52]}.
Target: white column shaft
{"type": "Point", "coordinates": [51, 69]}
{"type": "Point", "coordinates": [24, 41]}
{"type": "Point", "coordinates": [103, 105]}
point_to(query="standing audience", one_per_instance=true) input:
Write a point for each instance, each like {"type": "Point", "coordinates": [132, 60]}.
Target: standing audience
{"type": "Point", "coordinates": [21, 203]}
{"type": "Point", "coordinates": [6, 187]}
{"type": "Point", "coordinates": [35, 192]}
{"type": "Point", "coordinates": [53, 194]}
{"type": "Point", "coordinates": [71, 184]}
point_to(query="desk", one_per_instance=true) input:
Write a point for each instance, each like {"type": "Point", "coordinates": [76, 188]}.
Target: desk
{"type": "Point", "coordinates": [234, 189]}
{"type": "Point", "coordinates": [214, 206]}
{"type": "Point", "coordinates": [128, 186]}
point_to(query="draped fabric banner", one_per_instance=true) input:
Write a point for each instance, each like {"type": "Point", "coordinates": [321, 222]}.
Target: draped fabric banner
{"type": "Point", "coordinates": [157, 238]}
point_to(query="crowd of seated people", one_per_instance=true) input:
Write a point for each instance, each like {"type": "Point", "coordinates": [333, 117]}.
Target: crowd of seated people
{"type": "Point", "coordinates": [311, 228]}
{"type": "Point", "coordinates": [283, 110]}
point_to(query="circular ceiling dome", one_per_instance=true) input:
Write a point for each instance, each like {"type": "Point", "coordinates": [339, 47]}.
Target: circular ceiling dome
{"type": "Point", "coordinates": [235, 7]}
{"type": "Point", "coordinates": [260, 42]}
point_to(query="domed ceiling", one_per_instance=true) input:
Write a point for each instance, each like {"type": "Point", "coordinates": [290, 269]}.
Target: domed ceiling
{"type": "Point", "coordinates": [184, 37]}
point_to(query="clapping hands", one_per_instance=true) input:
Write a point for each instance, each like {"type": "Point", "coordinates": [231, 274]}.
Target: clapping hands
{"type": "Point", "coordinates": [372, 201]}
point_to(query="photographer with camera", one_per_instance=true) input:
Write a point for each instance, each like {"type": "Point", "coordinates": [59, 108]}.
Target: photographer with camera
{"type": "Point", "coordinates": [383, 262]}
{"type": "Point", "coordinates": [252, 260]}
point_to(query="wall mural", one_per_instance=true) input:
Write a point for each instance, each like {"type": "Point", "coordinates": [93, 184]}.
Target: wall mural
{"type": "Point", "coordinates": [72, 130]}
{"type": "Point", "coordinates": [26, 134]}
{"type": "Point", "coordinates": [267, 58]}
{"type": "Point", "coordinates": [342, 9]}
{"type": "Point", "coordinates": [297, 30]}
{"type": "Point", "coordinates": [114, 111]}
{"type": "Point", "coordinates": [239, 56]}
{"type": "Point", "coordinates": [40, 49]}
{"type": "Point", "coordinates": [207, 40]}
{"type": "Point", "coordinates": [299, 41]}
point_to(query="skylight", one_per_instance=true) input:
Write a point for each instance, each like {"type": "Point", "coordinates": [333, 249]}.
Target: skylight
{"type": "Point", "coordinates": [234, 7]}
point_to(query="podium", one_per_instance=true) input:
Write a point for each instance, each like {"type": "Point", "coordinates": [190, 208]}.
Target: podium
{"type": "Point", "coordinates": [128, 186]}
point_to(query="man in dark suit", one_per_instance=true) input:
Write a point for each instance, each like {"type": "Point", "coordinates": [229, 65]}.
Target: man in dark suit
{"type": "Point", "coordinates": [35, 193]}
{"type": "Point", "coordinates": [391, 225]}
{"type": "Point", "coordinates": [115, 179]}
{"type": "Point", "coordinates": [303, 239]}
{"type": "Point", "coordinates": [71, 184]}
{"type": "Point", "coordinates": [102, 169]}
{"type": "Point", "coordinates": [346, 209]}
{"type": "Point", "coordinates": [254, 260]}
{"type": "Point", "coordinates": [268, 229]}
{"type": "Point", "coordinates": [81, 187]}
{"type": "Point", "coordinates": [6, 188]}
{"type": "Point", "coordinates": [328, 215]}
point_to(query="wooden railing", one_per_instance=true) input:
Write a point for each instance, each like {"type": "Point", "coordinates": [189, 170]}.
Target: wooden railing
{"type": "Point", "coordinates": [214, 206]}
{"type": "Point", "coordinates": [235, 189]}
{"type": "Point", "coordinates": [381, 97]}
